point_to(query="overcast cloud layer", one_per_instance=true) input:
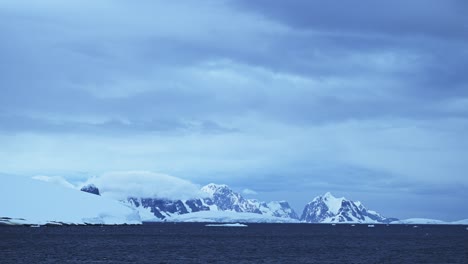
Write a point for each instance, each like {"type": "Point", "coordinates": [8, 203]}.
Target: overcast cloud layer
{"type": "Point", "coordinates": [291, 99]}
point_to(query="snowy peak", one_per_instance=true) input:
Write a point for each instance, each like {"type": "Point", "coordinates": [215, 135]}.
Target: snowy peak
{"type": "Point", "coordinates": [329, 209]}
{"type": "Point", "coordinates": [225, 199]}
{"type": "Point", "coordinates": [213, 188]}
{"type": "Point", "coordinates": [333, 204]}
{"type": "Point", "coordinates": [228, 200]}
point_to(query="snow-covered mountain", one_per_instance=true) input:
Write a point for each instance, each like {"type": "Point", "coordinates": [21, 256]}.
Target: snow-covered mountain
{"type": "Point", "coordinates": [225, 199]}
{"type": "Point", "coordinates": [220, 199]}
{"type": "Point", "coordinates": [329, 209]}
{"type": "Point", "coordinates": [28, 201]}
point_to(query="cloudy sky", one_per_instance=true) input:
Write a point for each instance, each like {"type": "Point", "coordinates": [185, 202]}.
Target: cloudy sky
{"type": "Point", "coordinates": [289, 99]}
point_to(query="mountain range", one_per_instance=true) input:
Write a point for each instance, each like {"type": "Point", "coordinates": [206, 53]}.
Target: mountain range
{"type": "Point", "coordinates": [222, 199]}
{"type": "Point", "coordinates": [219, 198]}
{"type": "Point", "coordinates": [28, 201]}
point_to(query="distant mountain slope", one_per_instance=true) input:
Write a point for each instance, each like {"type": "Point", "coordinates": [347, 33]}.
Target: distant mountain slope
{"type": "Point", "coordinates": [329, 209]}
{"type": "Point", "coordinates": [27, 201]}
{"type": "Point", "coordinates": [220, 198]}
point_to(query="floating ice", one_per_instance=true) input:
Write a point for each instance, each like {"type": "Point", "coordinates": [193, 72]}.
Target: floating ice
{"type": "Point", "coordinates": [227, 225]}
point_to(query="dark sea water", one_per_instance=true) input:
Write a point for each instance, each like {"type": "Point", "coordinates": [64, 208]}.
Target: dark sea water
{"type": "Point", "coordinates": [257, 243]}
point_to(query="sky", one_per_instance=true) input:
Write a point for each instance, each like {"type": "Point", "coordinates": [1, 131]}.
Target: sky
{"type": "Point", "coordinates": [283, 100]}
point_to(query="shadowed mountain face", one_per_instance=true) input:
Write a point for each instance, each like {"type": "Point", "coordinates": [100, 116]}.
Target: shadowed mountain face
{"type": "Point", "coordinates": [329, 209]}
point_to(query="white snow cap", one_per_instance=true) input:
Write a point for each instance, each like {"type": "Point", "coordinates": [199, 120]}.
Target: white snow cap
{"type": "Point", "coordinates": [333, 203]}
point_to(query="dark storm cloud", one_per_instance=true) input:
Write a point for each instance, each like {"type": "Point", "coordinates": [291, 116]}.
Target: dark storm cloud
{"type": "Point", "coordinates": [421, 17]}
{"type": "Point", "coordinates": [47, 62]}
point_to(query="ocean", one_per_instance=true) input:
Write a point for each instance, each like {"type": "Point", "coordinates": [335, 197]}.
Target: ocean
{"type": "Point", "coordinates": [256, 243]}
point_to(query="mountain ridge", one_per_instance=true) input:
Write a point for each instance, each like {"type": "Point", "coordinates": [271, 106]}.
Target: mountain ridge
{"type": "Point", "coordinates": [221, 198]}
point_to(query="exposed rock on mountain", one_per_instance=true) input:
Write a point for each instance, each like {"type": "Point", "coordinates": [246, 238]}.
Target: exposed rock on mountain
{"type": "Point", "coordinates": [90, 188]}
{"type": "Point", "coordinates": [163, 208]}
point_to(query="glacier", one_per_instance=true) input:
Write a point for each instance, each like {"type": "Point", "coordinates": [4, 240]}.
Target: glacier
{"type": "Point", "coordinates": [31, 202]}
{"type": "Point", "coordinates": [228, 217]}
